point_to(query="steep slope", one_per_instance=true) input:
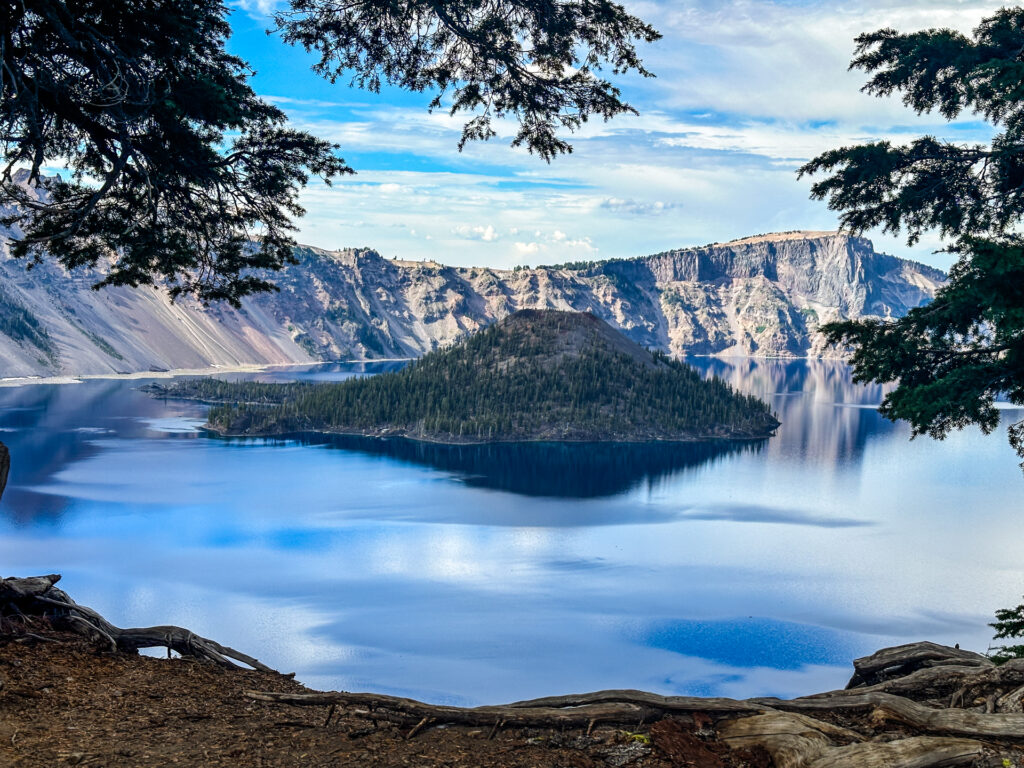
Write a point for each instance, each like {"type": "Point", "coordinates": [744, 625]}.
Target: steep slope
{"type": "Point", "coordinates": [765, 295]}
{"type": "Point", "coordinates": [536, 375]}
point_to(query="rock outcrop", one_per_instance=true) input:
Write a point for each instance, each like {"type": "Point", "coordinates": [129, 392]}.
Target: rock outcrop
{"type": "Point", "coordinates": [764, 295]}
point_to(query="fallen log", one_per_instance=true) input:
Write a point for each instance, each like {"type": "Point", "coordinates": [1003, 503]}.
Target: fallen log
{"type": "Point", "coordinates": [38, 597]}
{"type": "Point", "coordinates": [948, 686]}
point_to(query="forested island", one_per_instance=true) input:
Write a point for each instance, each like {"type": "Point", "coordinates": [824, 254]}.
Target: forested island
{"type": "Point", "coordinates": [536, 375]}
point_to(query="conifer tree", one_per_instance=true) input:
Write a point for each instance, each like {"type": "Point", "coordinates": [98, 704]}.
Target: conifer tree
{"type": "Point", "coordinates": [183, 176]}
{"type": "Point", "coordinates": [952, 358]}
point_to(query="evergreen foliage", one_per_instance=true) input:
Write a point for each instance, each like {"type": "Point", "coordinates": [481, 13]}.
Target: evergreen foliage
{"type": "Point", "coordinates": [533, 61]}
{"type": "Point", "coordinates": [1009, 623]}
{"type": "Point", "coordinates": [954, 357]}
{"type": "Point", "coordinates": [189, 180]}
{"type": "Point", "coordinates": [176, 165]}
{"type": "Point", "coordinates": [18, 323]}
{"type": "Point", "coordinates": [548, 375]}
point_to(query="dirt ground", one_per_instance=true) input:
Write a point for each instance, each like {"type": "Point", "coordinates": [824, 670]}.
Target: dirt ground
{"type": "Point", "coordinates": [62, 703]}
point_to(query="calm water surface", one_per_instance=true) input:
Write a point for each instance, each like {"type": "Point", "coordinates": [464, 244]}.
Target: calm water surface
{"type": "Point", "coordinates": [486, 574]}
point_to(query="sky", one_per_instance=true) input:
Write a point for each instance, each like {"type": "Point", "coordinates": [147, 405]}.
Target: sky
{"type": "Point", "coordinates": [745, 92]}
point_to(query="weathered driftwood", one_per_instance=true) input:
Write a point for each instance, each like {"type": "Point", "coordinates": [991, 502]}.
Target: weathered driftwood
{"type": "Point", "coordinates": [795, 741]}
{"type": "Point", "coordinates": [620, 707]}
{"type": "Point", "coordinates": [901, 660]}
{"type": "Point", "coordinates": [666, 704]}
{"type": "Point", "coordinates": [38, 597]}
{"type": "Point", "coordinates": [911, 715]}
{"type": "Point", "coordinates": [5, 467]}
{"type": "Point", "coordinates": [883, 707]}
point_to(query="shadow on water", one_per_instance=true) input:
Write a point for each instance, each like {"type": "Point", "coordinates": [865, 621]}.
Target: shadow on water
{"type": "Point", "coordinates": [48, 428]}
{"type": "Point", "coordinates": [564, 470]}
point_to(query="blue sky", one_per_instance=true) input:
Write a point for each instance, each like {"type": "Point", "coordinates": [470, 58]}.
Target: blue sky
{"type": "Point", "coordinates": [746, 91]}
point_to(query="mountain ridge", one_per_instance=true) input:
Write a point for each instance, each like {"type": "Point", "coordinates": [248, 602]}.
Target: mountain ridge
{"type": "Point", "coordinates": [761, 296]}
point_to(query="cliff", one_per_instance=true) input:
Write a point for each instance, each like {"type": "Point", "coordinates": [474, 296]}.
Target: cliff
{"type": "Point", "coordinates": [763, 295]}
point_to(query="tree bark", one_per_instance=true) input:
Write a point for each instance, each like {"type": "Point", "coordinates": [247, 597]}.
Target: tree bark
{"type": "Point", "coordinates": [5, 467]}
{"type": "Point", "coordinates": [901, 660]}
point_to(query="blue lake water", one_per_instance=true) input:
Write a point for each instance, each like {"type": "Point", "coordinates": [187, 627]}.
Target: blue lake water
{"type": "Point", "coordinates": [492, 573]}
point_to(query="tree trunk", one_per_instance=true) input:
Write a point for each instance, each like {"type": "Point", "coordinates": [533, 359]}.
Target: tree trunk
{"type": "Point", "coordinates": [5, 467]}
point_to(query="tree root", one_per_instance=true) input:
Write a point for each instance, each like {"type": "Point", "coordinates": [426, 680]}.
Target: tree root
{"type": "Point", "coordinates": [618, 707]}
{"type": "Point", "coordinates": [888, 724]}
{"type": "Point", "coordinates": [795, 741]}
{"type": "Point", "coordinates": [901, 660]}
{"type": "Point", "coordinates": [914, 706]}
{"type": "Point", "coordinates": [37, 597]}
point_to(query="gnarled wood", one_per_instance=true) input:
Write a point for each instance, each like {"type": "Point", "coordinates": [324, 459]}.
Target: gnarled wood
{"type": "Point", "coordinates": [666, 704]}
{"type": "Point", "coordinates": [917, 687]}
{"type": "Point", "coordinates": [885, 706]}
{"type": "Point", "coordinates": [38, 596]}
{"type": "Point", "coordinates": [796, 733]}
{"type": "Point", "coordinates": [605, 707]}
{"type": "Point", "coordinates": [31, 587]}
{"type": "Point", "coordinates": [914, 752]}
{"type": "Point", "coordinates": [948, 686]}
{"type": "Point", "coordinates": [796, 741]}
{"type": "Point", "coordinates": [901, 660]}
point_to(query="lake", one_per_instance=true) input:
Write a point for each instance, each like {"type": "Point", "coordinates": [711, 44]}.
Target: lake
{"type": "Point", "coordinates": [482, 574]}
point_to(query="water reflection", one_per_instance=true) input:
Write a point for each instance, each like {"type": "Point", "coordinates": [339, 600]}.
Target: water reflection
{"type": "Point", "coordinates": [479, 574]}
{"type": "Point", "coordinates": [49, 427]}
{"type": "Point", "coordinates": [566, 470]}
{"type": "Point", "coordinates": [826, 417]}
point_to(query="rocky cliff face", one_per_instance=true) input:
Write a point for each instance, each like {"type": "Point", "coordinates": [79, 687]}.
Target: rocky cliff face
{"type": "Point", "coordinates": [763, 295]}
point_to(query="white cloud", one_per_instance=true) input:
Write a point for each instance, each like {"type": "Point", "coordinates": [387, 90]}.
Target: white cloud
{"type": "Point", "coordinates": [257, 7]}
{"type": "Point", "coordinates": [487, 234]}
{"type": "Point", "coordinates": [636, 207]}
{"type": "Point", "coordinates": [747, 91]}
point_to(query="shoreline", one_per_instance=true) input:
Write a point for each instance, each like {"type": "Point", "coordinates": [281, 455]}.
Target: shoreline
{"type": "Point", "coordinates": [326, 433]}
{"type": "Point", "coordinates": [212, 370]}
{"type": "Point", "coordinates": [68, 378]}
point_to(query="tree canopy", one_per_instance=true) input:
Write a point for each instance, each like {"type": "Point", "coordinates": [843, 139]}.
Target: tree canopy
{"type": "Point", "coordinates": [533, 60]}
{"type": "Point", "coordinates": [179, 172]}
{"type": "Point", "coordinates": [180, 175]}
{"type": "Point", "coordinates": [954, 357]}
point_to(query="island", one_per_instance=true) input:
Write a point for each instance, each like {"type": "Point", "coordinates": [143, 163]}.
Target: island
{"type": "Point", "coordinates": [536, 375]}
